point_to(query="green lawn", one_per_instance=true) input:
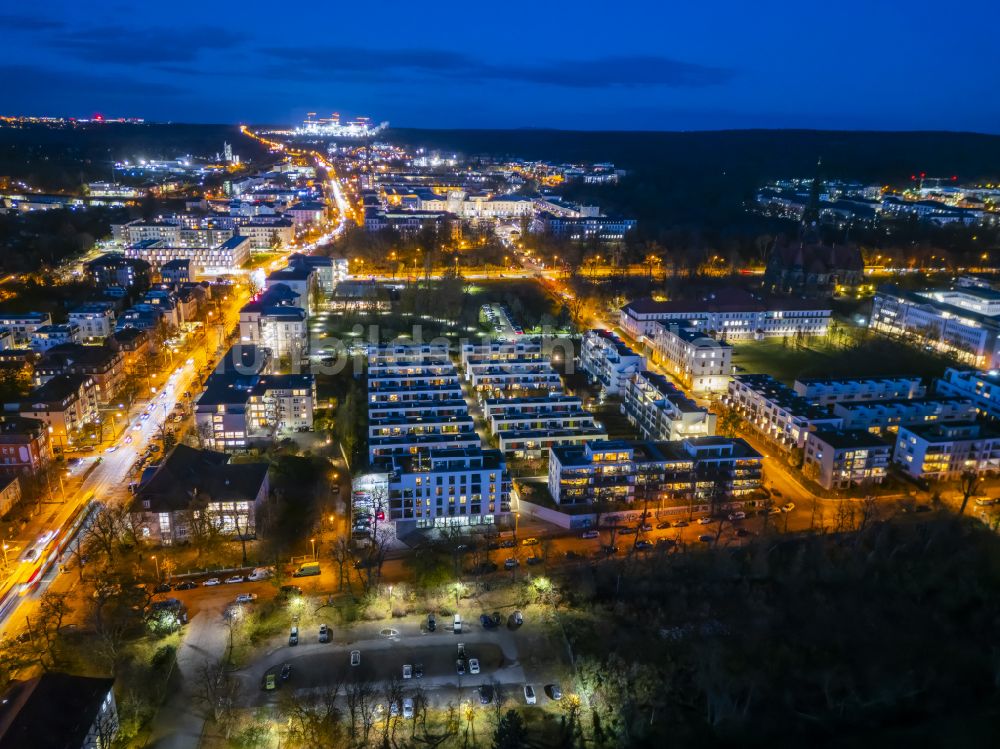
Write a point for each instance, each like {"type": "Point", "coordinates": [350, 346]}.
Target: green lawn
{"type": "Point", "coordinates": [817, 357]}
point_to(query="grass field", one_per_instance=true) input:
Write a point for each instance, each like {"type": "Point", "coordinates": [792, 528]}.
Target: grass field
{"type": "Point", "coordinates": [817, 357]}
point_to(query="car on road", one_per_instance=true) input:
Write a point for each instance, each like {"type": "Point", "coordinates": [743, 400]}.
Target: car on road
{"type": "Point", "coordinates": [461, 650]}
{"type": "Point", "coordinates": [663, 526]}
{"type": "Point", "coordinates": [510, 563]}
{"type": "Point", "coordinates": [788, 507]}
{"type": "Point", "coordinates": [407, 707]}
{"type": "Point", "coordinates": [530, 542]}
{"type": "Point", "coordinates": [407, 671]}
{"type": "Point", "coordinates": [111, 449]}
{"type": "Point", "coordinates": [128, 440]}
{"type": "Point", "coordinates": [246, 598]}
{"type": "Point", "coordinates": [554, 691]}
{"type": "Point", "coordinates": [706, 538]}
{"type": "Point", "coordinates": [460, 667]}
{"type": "Point", "coordinates": [529, 695]}
{"type": "Point", "coordinates": [186, 585]}
{"type": "Point", "coordinates": [270, 682]}
{"type": "Point", "coordinates": [355, 657]}
{"type": "Point", "coordinates": [643, 545]}
{"type": "Point", "coordinates": [590, 534]}
{"type": "Point", "coordinates": [738, 515]}
{"type": "Point", "coordinates": [431, 622]}
{"type": "Point", "coordinates": [286, 671]}
{"type": "Point", "coordinates": [680, 524]}
{"type": "Point", "coordinates": [293, 637]}
{"type": "Point", "coordinates": [418, 670]}
{"type": "Point", "coordinates": [212, 581]}
{"type": "Point", "coordinates": [485, 694]}
{"type": "Point", "coordinates": [473, 665]}
{"type": "Point", "coordinates": [324, 633]}
{"type": "Point", "coordinates": [234, 579]}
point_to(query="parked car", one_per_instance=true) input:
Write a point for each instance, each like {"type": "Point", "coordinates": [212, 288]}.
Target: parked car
{"type": "Point", "coordinates": [355, 657]}
{"type": "Point", "coordinates": [738, 515]}
{"type": "Point", "coordinates": [680, 524]}
{"type": "Point", "coordinates": [461, 650]}
{"type": "Point", "coordinates": [510, 563]}
{"type": "Point", "coordinates": [788, 507]}
{"type": "Point", "coordinates": [431, 622]}
{"type": "Point", "coordinates": [212, 581]}
{"type": "Point", "coordinates": [407, 671]}
{"type": "Point", "coordinates": [290, 590]}
{"type": "Point", "coordinates": [286, 671]}
{"type": "Point", "coordinates": [518, 618]}
{"type": "Point", "coordinates": [554, 690]}
{"type": "Point", "coordinates": [508, 544]}
{"type": "Point", "coordinates": [704, 520]}
{"type": "Point", "coordinates": [246, 598]}
{"type": "Point", "coordinates": [418, 670]}
{"type": "Point", "coordinates": [473, 665]}
{"type": "Point", "coordinates": [643, 544]}
{"type": "Point", "coordinates": [590, 534]}
{"type": "Point", "coordinates": [663, 526]}
{"type": "Point", "coordinates": [234, 579]}
{"type": "Point", "coordinates": [407, 707]}
{"type": "Point", "coordinates": [394, 708]}
{"type": "Point", "coordinates": [742, 532]}
{"type": "Point", "coordinates": [163, 588]}
{"type": "Point", "coordinates": [270, 682]}
{"type": "Point", "coordinates": [628, 531]}
{"type": "Point", "coordinates": [529, 695]}
{"type": "Point", "coordinates": [608, 549]}
{"type": "Point", "coordinates": [530, 542]}
{"type": "Point", "coordinates": [186, 585]}
{"type": "Point", "coordinates": [485, 694]}
{"type": "Point", "coordinates": [533, 560]}
{"type": "Point", "coordinates": [460, 667]}
{"type": "Point", "coordinates": [706, 538]}
{"type": "Point", "coordinates": [324, 633]}
{"type": "Point", "coordinates": [293, 637]}
{"type": "Point", "coordinates": [487, 621]}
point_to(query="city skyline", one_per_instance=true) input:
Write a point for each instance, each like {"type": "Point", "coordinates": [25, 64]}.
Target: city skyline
{"type": "Point", "coordinates": [548, 67]}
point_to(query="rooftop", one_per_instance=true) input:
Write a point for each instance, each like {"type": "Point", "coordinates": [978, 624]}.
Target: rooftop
{"type": "Point", "coordinates": [52, 711]}
{"type": "Point", "coordinates": [847, 439]}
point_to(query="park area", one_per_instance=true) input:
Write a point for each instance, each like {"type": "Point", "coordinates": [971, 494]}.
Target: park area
{"type": "Point", "coordinates": [863, 354]}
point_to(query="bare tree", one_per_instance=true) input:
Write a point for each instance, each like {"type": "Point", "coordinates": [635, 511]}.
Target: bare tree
{"type": "Point", "coordinates": [219, 690]}
{"type": "Point", "coordinates": [969, 484]}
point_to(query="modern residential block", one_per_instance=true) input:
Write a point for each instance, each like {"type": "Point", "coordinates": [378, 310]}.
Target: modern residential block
{"type": "Point", "coordinates": [701, 363]}
{"type": "Point", "coordinates": [842, 458]}
{"type": "Point", "coordinates": [662, 412]}
{"type": "Point", "coordinates": [608, 361]}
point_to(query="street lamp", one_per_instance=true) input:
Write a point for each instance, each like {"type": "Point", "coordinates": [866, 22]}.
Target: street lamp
{"type": "Point", "coordinates": [313, 541]}
{"type": "Point", "coordinates": [156, 564]}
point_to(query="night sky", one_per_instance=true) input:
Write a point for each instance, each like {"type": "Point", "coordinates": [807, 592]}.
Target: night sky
{"type": "Point", "coordinates": [658, 65]}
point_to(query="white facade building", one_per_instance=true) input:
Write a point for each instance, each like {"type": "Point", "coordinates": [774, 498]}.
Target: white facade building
{"type": "Point", "coordinates": [662, 412]}
{"type": "Point", "coordinates": [702, 363]}
{"type": "Point", "coordinates": [96, 320]}
{"type": "Point", "coordinates": [944, 451]}
{"type": "Point", "coordinates": [608, 361]}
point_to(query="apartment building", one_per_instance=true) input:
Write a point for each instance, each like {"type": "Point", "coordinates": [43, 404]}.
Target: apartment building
{"type": "Point", "coordinates": [825, 391]}
{"type": "Point", "coordinates": [301, 279]}
{"type": "Point", "coordinates": [731, 314]}
{"type": "Point", "coordinates": [105, 365]}
{"type": "Point", "coordinates": [65, 404]}
{"type": "Point", "coordinates": [193, 233]}
{"type": "Point", "coordinates": [982, 387]}
{"type": "Point", "coordinates": [48, 336]}
{"type": "Point", "coordinates": [176, 271]}
{"type": "Point", "coordinates": [608, 361]}
{"type": "Point", "coordinates": [415, 431]}
{"type": "Point", "coordinates": [192, 487]}
{"type": "Point", "coordinates": [963, 324]}
{"type": "Point", "coordinates": [513, 377]}
{"type": "Point", "coordinates": [267, 234]}
{"type": "Point", "coordinates": [24, 445]}
{"type": "Point", "coordinates": [221, 258]}
{"type": "Point", "coordinates": [887, 416]}
{"type": "Point", "coordinates": [776, 411]}
{"type": "Point", "coordinates": [451, 487]}
{"type": "Point", "coordinates": [273, 320]}
{"type": "Point", "coordinates": [697, 469]}
{"type": "Point", "coordinates": [96, 320]}
{"type": "Point", "coordinates": [701, 363]}
{"type": "Point", "coordinates": [842, 458]}
{"type": "Point", "coordinates": [662, 412]}
{"type": "Point", "coordinates": [115, 270]}
{"type": "Point", "coordinates": [236, 411]}
{"type": "Point", "coordinates": [329, 270]}
{"type": "Point", "coordinates": [22, 325]}
{"type": "Point", "coordinates": [944, 451]}
{"type": "Point", "coordinates": [523, 349]}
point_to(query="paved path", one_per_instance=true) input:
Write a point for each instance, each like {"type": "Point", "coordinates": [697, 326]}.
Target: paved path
{"type": "Point", "coordinates": [180, 722]}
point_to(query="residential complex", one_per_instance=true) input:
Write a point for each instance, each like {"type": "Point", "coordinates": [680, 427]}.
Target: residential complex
{"type": "Point", "coordinates": [731, 315]}
{"type": "Point", "coordinates": [221, 258]}
{"type": "Point", "coordinates": [607, 361]}
{"type": "Point", "coordinates": [695, 470]}
{"type": "Point", "coordinates": [662, 412]}
{"type": "Point", "coordinates": [981, 387]}
{"type": "Point", "coordinates": [65, 404]}
{"type": "Point", "coordinates": [776, 411]}
{"type": "Point", "coordinates": [944, 451]}
{"type": "Point", "coordinates": [702, 363]}
{"type": "Point", "coordinates": [844, 458]}
{"type": "Point", "coordinates": [824, 391]}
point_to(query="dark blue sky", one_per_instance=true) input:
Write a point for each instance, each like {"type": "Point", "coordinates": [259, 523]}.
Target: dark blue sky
{"type": "Point", "coordinates": [634, 64]}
